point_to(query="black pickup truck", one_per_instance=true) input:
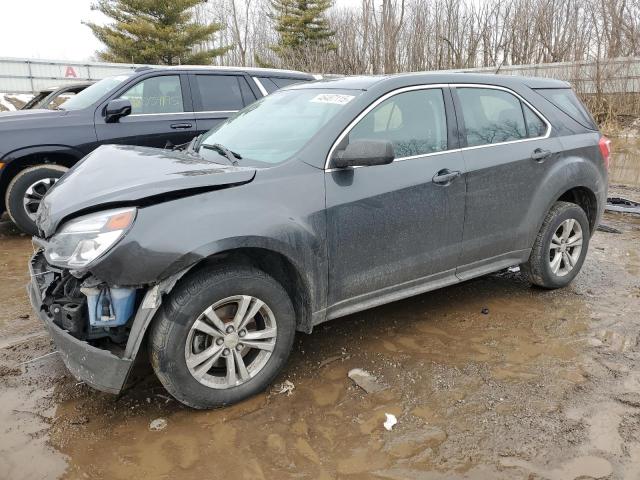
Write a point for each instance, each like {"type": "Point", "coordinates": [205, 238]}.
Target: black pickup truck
{"type": "Point", "coordinates": [152, 106]}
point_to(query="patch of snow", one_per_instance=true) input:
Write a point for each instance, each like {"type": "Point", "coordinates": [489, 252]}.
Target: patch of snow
{"type": "Point", "coordinates": [5, 105]}
{"type": "Point", "coordinates": [8, 101]}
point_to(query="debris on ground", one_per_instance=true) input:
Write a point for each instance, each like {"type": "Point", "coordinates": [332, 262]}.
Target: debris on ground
{"type": "Point", "coordinates": [365, 380]}
{"type": "Point", "coordinates": [158, 424]}
{"type": "Point", "coordinates": [332, 359]}
{"type": "Point", "coordinates": [484, 311]}
{"type": "Point", "coordinates": [623, 205]}
{"type": "Point", "coordinates": [390, 421]}
{"type": "Point", "coordinates": [285, 387]}
{"type": "Point", "coordinates": [607, 229]}
{"type": "Point", "coordinates": [514, 269]}
{"type": "Point", "coordinates": [81, 420]}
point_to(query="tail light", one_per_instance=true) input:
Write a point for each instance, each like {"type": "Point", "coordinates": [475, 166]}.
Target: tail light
{"type": "Point", "coordinates": [605, 150]}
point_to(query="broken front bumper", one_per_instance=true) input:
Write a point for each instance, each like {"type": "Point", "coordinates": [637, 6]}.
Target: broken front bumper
{"type": "Point", "coordinates": [98, 368]}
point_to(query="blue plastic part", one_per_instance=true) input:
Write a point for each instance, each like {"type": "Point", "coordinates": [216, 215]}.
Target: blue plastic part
{"type": "Point", "coordinates": [121, 301]}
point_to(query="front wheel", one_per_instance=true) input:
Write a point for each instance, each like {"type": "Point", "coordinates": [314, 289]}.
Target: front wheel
{"type": "Point", "coordinates": [560, 247]}
{"type": "Point", "coordinates": [223, 335]}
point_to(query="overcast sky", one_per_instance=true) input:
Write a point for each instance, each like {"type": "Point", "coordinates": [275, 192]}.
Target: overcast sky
{"type": "Point", "coordinates": [47, 29]}
{"type": "Point", "coordinates": [50, 29]}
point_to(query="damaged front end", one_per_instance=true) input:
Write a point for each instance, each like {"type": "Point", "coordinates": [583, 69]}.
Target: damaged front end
{"type": "Point", "coordinates": [92, 354]}
{"type": "Point", "coordinates": [94, 283]}
{"type": "Point", "coordinates": [98, 350]}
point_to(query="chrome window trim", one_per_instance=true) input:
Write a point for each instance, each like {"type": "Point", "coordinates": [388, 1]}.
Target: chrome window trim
{"type": "Point", "coordinates": [260, 86]}
{"type": "Point", "coordinates": [353, 123]}
{"type": "Point", "coordinates": [179, 113]}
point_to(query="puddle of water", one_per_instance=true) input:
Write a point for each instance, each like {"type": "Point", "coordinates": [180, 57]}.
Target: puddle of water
{"type": "Point", "coordinates": [25, 453]}
{"type": "Point", "coordinates": [588, 466]}
{"type": "Point", "coordinates": [14, 254]}
{"type": "Point", "coordinates": [625, 162]}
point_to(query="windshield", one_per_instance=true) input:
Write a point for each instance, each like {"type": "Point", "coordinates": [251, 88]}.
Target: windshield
{"type": "Point", "coordinates": [274, 128]}
{"type": "Point", "coordinates": [95, 92]}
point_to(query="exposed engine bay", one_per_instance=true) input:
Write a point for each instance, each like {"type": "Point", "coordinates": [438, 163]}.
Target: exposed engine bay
{"type": "Point", "coordinates": [85, 307]}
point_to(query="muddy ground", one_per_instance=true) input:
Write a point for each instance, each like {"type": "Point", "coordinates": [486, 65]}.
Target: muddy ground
{"type": "Point", "coordinates": [490, 379]}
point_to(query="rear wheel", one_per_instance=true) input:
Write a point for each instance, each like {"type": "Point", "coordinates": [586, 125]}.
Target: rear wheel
{"type": "Point", "coordinates": [223, 335]}
{"type": "Point", "coordinates": [25, 192]}
{"type": "Point", "coordinates": [560, 247]}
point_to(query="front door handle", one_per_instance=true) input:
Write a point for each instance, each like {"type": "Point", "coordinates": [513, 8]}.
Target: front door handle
{"type": "Point", "coordinates": [180, 126]}
{"type": "Point", "coordinates": [445, 176]}
{"type": "Point", "coordinates": [539, 155]}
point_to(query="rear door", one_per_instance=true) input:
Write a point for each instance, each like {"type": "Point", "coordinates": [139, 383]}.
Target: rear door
{"type": "Point", "coordinates": [507, 150]}
{"type": "Point", "coordinates": [217, 96]}
{"type": "Point", "coordinates": [161, 114]}
{"type": "Point", "coordinates": [398, 226]}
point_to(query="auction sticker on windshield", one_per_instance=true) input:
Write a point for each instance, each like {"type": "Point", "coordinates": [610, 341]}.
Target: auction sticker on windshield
{"type": "Point", "coordinates": [335, 98]}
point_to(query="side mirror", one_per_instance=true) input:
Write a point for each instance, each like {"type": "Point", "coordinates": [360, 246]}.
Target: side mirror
{"type": "Point", "coordinates": [116, 109]}
{"type": "Point", "coordinates": [360, 153]}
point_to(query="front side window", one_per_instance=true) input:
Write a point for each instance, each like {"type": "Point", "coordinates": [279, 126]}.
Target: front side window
{"type": "Point", "coordinates": [491, 116]}
{"type": "Point", "coordinates": [414, 122]}
{"type": "Point", "coordinates": [156, 95]}
{"type": "Point", "coordinates": [93, 93]}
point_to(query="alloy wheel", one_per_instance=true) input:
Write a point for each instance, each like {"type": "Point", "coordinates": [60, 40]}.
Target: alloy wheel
{"type": "Point", "coordinates": [34, 194]}
{"type": "Point", "coordinates": [565, 247]}
{"type": "Point", "coordinates": [231, 342]}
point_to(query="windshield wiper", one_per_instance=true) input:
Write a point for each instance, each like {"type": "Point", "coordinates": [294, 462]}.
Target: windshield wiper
{"type": "Point", "coordinates": [232, 156]}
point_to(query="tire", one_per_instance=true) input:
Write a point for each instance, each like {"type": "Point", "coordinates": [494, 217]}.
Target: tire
{"type": "Point", "coordinates": [41, 176]}
{"type": "Point", "coordinates": [544, 268]}
{"type": "Point", "coordinates": [173, 341]}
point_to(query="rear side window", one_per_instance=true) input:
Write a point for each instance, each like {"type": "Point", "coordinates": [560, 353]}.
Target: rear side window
{"type": "Point", "coordinates": [567, 101]}
{"type": "Point", "coordinates": [223, 92]}
{"type": "Point", "coordinates": [535, 126]}
{"type": "Point", "coordinates": [285, 82]}
{"type": "Point", "coordinates": [414, 122]}
{"type": "Point", "coordinates": [268, 84]}
{"type": "Point", "coordinates": [491, 116]}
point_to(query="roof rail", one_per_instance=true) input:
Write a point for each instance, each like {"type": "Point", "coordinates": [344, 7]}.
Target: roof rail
{"type": "Point", "coordinates": [142, 69]}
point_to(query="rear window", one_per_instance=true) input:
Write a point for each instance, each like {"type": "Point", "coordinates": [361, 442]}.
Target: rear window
{"type": "Point", "coordinates": [567, 101]}
{"type": "Point", "coordinates": [285, 82]}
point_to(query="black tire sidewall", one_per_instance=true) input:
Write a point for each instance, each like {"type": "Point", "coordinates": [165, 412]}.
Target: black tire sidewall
{"type": "Point", "coordinates": [187, 302]}
{"type": "Point", "coordinates": [552, 280]}
{"type": "Point", "coordinates": [17, 189]}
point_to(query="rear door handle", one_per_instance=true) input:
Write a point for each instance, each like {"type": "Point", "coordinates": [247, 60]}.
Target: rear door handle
{"type": "Point", "coordinates": [539, 155]}
{"type": "Point", "coordinates": [445, 176]}
{"type": "Point", "coordinates": [180, 126]}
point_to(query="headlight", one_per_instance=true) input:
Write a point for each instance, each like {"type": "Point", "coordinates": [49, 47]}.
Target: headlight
{"type": "Point", "coordinates": [85, 238]}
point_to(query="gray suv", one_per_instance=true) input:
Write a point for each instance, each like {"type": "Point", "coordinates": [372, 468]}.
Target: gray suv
{"type": "Point", "coordinates": [318, 201]}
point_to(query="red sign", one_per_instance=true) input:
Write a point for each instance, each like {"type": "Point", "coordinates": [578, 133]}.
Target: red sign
{"type": "Point", "coordinates": [70, 72]}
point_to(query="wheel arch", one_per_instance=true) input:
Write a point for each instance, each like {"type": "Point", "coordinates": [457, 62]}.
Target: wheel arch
{"type": "Point", "coordinates": [279, 266]}
{"type": "Point", "coordinates": [586, 199]}
{"type": "Point", "coordinates": [19, 160]}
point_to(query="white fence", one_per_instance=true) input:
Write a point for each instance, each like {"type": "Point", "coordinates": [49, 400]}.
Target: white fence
{"type": "Point", "coordinates": [22, 75]}
{"type": "Point", "coordinates": [618, 75]}
{"type": "Point", "coordinates": [611, 76]}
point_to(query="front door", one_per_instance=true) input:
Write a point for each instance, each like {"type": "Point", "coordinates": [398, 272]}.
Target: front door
{"type": "Point", "coordinates": [160, 116]}
{"type": "Point", "coordinates": [397, 227]}
{"type": "Point", "coordinates": [508, 150]}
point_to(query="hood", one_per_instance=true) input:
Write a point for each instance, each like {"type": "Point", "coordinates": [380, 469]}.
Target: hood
{"type": "Point", "coordinates": [31, 114]}
{"type": "Point", "coordinates": [124, 175]}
